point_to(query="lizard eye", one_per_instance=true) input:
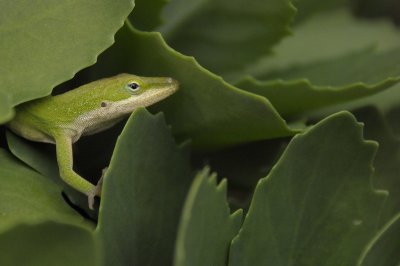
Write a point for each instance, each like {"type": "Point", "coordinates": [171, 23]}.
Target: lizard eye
{"type": "Point", "coordinates": [133, 87]}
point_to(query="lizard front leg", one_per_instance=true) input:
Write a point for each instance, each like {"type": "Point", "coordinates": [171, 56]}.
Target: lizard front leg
{"type": "Point", "coordinates": [67, 173]}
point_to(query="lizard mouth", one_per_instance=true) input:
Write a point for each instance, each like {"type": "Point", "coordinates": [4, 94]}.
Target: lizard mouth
{"type": "Point", "coordinates": [166, 90]}
{"type": "Point", "coordinates": [173, 83]}
{"type": "Point", "coordinates": [169, 84]}
{"type": "Point", "coordinates": [161, 88]}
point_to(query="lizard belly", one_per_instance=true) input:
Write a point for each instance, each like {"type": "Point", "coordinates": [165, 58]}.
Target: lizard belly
{"type": "Point", "coordinates": [94, 122]}
{"type": "Point", "coordinates": [98, 127]}
{"type": "Point", "coordinates": [29, 130]}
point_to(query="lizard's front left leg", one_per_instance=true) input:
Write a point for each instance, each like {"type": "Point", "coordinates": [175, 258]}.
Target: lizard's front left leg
{"type": "Point", "coordinates": [67, 173]}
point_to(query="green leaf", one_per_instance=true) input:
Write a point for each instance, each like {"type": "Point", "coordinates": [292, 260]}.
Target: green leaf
{"type": "Point", "coordinates": [147, 14]}
{"type": "Point", "coordinates": [320, 84]}
{"type": "Point", "coordinates": [143, 194]}
{"type": "Point", "coordinates": [325, 37]}
{"type": "Point", "coordinates": [368, 66]}
{"type": "Point", "coordinates": [207, 227]}
{"type": "Point", "coordinates": [319, 66]}
{"type": "Point", "coordinates": [307, 8]}
{"type": "Point", "coordinates": [41, 157]}
{"type": "Point", "coordinates": [387, 161]}
{"type": "Point", "coordinates": [215, 30]}
{"type": "Point", "coordinates": [385, 101]}
{"type": "Point", "coordinates": [48, 243]}
{"type": "Point", "coordinates": [384, 248]}
{"type": "Point", "coordinates": [206, 109]}
{"type": "Point", "coordinates": [6, 111]}
{"type": "Point", "coordinates": [26, 196]}
{"type": "Point", "coordinates": [45, 43]}
{"type": "Point", "coordinates": [317, 206]}
{"type": "Point", "coordinates": [34, 155]}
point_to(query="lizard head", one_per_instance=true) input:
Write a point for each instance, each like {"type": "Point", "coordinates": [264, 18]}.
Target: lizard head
{"type": "Point", "coordinates": [127, 92]}
{"type": "Point", "coordinates": [149, 89]}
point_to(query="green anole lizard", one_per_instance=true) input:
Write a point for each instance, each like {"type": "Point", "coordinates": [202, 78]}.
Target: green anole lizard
{"type": "Point", "coordinates": [86, 110]}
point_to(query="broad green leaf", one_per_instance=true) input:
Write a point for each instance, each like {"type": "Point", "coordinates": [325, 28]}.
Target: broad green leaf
{"type": "Point", "coordinates": [367, 66]}
{"type": "Point", "coordinates": [328, 36]}
{"type": "Point", "coordinates": [43, 43]}
{"type": "Point", "coordinates": [307, 8]}
{"type": "Point", "coordinates": [143, 194]}
{"type": "Point", "coordinates": [6, 111]}
{"type": "Point", "coordinates": [384, 248]}
{"type": "Point", "coordinates": [42, 158]}
{"type": "Point", "coordinates": [26, 196]}
{"type": "Point", "coordinates": [206, 227]}
{"type": "Point", "coordinates": [317, 206]}
{"type": "Point", "coordinates": [48, 243]}
{"type": "Point", "coordinates": [225, 35]}
{"type": "Point", "coordinates": [147, 14]}
{"type": "Point", "coordinates": [206, 109]}
{"type": "Point", "coordinates": [385, 101]}
{"type": "Point", "coordinates": [302, 76]}
{"type": "Point", "coordinates": [320, 84]}
{"type": "Point", "coordinates": [35, 155]}
{"type": "Point", "coordinates": [387, 161]}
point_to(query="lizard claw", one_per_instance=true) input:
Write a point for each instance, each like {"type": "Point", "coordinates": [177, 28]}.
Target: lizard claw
{"type": "Point", "coordinates": [96, 190]}
{"type": "Point", "coordinates": [91, 199]}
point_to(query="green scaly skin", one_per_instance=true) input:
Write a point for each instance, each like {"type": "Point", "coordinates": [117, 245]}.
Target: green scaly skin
{"type": "Point", "coordinates": [86, 110]}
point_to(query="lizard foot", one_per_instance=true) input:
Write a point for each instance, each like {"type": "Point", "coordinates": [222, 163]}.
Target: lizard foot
{"type": "Point", "coordinates": [96, 190]}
